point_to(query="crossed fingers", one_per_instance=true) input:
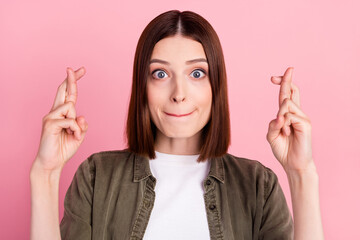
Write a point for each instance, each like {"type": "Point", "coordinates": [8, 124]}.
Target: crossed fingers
{"type": "Point", "coordinates": [287, 88]}
{"type": "Point", "coordinates": [67, 90]}
{"type": "Point", "coordinates": [67, 94]}
{"type": "Point", "coordinates": [289, 97]}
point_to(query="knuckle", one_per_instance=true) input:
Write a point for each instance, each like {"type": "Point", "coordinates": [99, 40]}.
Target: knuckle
{"type": "Point", "coordinates": [308, 127]}
{"type": "Point", "coordinates": [47, 123]}
{"type": "Point", "coordinates": [287, 101]}
{"type": "Point", "coordinates": [267, 137]}
{"type": "Point", "coordinates": [71, 104]}
{"type": "Point", "coordinates": [73, 121]}
{"type": "Point", "coordinates": [45, 118]}
{"type": "Point", "coordinates": [308, 122]}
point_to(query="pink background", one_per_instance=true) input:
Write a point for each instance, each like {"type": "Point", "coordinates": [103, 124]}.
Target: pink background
{"type": "Point", "coordinates": [320, 39]}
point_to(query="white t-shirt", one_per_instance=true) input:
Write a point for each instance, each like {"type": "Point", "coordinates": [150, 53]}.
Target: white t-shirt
{"type": "Point", "coordinates": [179, 208]}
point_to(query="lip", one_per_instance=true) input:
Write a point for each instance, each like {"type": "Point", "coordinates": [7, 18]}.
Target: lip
{"type": "Point", "coordinates": [177, 115]}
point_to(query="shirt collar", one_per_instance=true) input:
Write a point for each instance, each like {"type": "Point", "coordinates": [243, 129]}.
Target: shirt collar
{"type": "Point", "coordinates": [142, 168]}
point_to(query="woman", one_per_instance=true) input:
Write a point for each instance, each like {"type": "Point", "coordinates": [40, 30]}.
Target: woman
{"type": "Point", "coordinates": [178, 133]}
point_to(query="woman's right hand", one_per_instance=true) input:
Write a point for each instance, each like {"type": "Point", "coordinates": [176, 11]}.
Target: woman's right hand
{"type": "Point", "coordinates": [62, 132]}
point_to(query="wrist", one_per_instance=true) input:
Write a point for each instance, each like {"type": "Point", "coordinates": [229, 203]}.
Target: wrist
{"type": "Point", "coordinates": [38, 172]}
{"type": "Point", "coordinates": [309, 169]}
{"type": "Point", "coordinates": [304, 179]}
{"type": "Point", "coordinates": [304, 175]}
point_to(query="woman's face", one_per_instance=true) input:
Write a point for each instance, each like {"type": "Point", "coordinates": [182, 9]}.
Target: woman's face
{"type": "Point", "coordinates": [178, 87]}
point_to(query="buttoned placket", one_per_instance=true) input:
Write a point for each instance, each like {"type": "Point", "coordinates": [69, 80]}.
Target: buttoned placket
{"type": "Point", "coordinates": [146, 207]}
{"type": "Point", "coordinates": [212, 210]}
{"type": "Point", "coordinates": [142, 173]}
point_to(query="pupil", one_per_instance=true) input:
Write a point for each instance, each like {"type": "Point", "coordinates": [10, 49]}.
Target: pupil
{"type": "Point", "coordinates": [161, 74]}
{"type": "Point", "coordinates": [197, 74]}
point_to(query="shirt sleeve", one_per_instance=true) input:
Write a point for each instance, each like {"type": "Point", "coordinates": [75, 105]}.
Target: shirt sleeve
{"type": "Point", "coordinates": [76, 222]}
{"type": "Point", "coordinates": [277, 222]}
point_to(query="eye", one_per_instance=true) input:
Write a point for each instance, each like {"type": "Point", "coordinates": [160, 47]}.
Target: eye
{"type": "Point", "coordinates": [160, 75]}
{"type": "Point", "coordinates": [198, 72]}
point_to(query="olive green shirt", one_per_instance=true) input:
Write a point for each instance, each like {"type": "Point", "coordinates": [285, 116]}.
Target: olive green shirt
{"type": "Point", "coordinates": [112, 194]}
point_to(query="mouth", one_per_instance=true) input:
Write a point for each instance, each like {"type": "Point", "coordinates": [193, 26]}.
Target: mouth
{"type": "Point", "coordinates": [179, 115]}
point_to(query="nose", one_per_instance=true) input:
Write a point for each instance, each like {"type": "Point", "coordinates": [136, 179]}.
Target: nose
{"type": "Point", "coordinates": [179, 91]}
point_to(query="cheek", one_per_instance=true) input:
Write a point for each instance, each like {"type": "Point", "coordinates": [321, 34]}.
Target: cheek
{"type": "Point", "coordinates": [151, 93]}
{"type": "Point", "coordinates": [155, 98]}
{"type": "Point", "coordinates": [204, 97]}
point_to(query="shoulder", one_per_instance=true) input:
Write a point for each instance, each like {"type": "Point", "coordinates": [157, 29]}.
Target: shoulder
{"type": "Point", "coordinates": [107, 166]}
{"type": "Point", "coordinates": [109, 155]}
{"type": "Point", "coordinates": [106, 160]}
{"type": "Point", "coordinates": [248, 170]}
{"type": "Point", "coordinates": [243, 164]}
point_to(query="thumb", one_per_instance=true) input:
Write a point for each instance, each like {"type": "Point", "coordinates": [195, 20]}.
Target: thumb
{"type": "Point", "coordinates": [275, 128]}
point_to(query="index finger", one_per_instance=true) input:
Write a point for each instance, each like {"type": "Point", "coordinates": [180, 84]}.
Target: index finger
{"type": "Point", "coordinates": [285, 87]}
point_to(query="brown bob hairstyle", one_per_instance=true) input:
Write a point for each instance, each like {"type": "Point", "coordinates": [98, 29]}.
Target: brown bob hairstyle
{"type": "Point", "coordinates": [140, 130]}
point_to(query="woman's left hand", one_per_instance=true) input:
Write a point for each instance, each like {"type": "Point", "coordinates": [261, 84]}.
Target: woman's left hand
{"type": "Point", "coordinates": [289, 134]}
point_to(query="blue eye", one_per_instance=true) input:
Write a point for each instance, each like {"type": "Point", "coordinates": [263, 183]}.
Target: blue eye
{"type": "Point", "coordinates": [160, 75]}
{"type": "Point", "coordinates": [197, 73]}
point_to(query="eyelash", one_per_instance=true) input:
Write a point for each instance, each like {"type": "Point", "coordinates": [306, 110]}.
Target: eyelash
{"type": "Point", "coordinates": [198, 69]}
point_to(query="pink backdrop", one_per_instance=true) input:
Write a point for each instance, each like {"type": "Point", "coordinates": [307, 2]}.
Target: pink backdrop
{"type": "Point", "coordinates": [320, 39]}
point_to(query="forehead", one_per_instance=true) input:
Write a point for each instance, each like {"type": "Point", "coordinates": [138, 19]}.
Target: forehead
{"type": "Point", "coordinates": [178, 48]}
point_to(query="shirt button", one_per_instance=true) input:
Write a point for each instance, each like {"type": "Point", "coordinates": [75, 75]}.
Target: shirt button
{"type": "Point", "coordinates": [208, 182]}
{"type": "Point", "coordinates": [212, 207]}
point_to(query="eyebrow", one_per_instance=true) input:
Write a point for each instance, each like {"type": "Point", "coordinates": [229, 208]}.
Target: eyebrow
{"type": "Point", "coordinates": [187, 62]}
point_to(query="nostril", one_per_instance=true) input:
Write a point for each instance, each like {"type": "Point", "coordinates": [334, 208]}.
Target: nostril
{"type": "Point", "coordinates": [178, 99]}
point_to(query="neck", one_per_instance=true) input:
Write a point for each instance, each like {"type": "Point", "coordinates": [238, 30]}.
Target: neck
{"type": "Point", "coordinates": [178, 146]}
